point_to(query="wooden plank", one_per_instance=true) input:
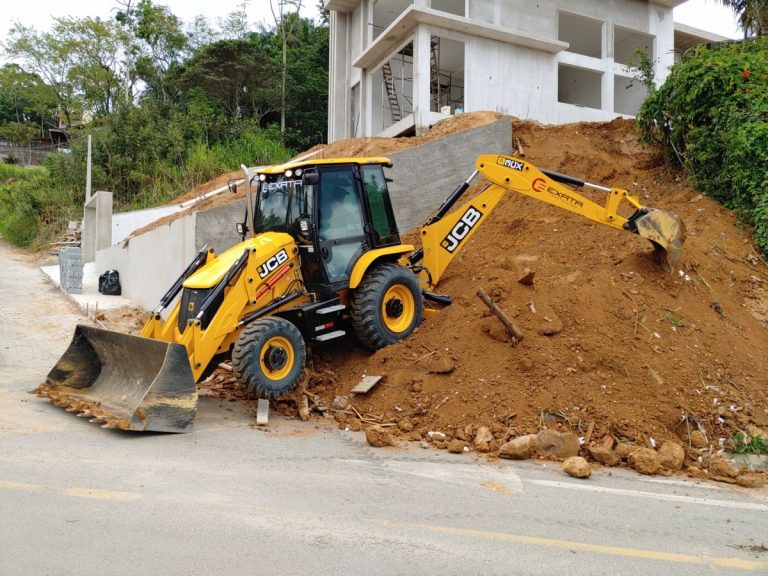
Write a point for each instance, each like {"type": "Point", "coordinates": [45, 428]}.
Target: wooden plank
{"type": "Point", "coordinates": [366, 384]}
{"type": "Point", "coordinates": [262, 412]}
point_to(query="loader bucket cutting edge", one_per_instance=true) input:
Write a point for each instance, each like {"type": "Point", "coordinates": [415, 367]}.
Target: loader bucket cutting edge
{"type": "Point", "coordinates": [666, 230]}
{"type": "Point", "coordinates": [126, 382]}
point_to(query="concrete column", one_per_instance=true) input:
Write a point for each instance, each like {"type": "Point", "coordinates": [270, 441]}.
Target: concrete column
{"type": "Point", "coordinates": [338, 79]}
{"type": "Point", "coordinates": [421, 77]}
{"type": "Point", "coordinates": [97, 225]}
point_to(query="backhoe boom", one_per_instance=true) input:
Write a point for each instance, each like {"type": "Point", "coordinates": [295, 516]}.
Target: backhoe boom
{"type": "Point", "coordinates": [444, 235]}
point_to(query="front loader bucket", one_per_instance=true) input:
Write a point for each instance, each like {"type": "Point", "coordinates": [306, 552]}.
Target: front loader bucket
{"type": "Point", "coordinates": [665, 229]}
{"type": "Point", "coordinates": [125, 382]}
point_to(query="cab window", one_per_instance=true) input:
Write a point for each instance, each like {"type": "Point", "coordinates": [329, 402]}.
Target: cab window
{"type": "Point", "coordinates": [377, 196]}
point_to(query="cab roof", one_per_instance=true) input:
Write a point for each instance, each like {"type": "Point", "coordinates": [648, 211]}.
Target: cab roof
{"type": "Point", "coordinates": [280, 168]}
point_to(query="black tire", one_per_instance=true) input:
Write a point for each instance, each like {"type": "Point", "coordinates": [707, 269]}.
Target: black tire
{"type": "Point", "coordinates": [268, 357]}
{"type": "Point", "coordinates": [387, 306]}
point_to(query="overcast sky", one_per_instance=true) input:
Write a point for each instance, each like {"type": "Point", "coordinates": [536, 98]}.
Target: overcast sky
{"type": "Point", "coordinates": [705, 14]}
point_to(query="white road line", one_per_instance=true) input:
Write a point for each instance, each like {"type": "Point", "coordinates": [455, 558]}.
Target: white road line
{"type": "Point", "coordinates": [652, 495]}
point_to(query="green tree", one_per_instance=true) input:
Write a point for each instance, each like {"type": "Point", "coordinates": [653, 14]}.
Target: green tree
{"type": "Point", "coordinates": [77, 59]}
{"type": "Point", "coordinates": [154, 43]}
{"type": "Point", "coordinates": [25, 98]}
{"type": "Point", "coordinates": [752, 16]}
{"type": "Point", "coordinates": [235, 75]}
{"type": "Point", "coordinates": [711, 115]}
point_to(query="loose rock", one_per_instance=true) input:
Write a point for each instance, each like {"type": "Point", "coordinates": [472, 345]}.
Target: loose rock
{"type": "Point", "coordinates": [644, 460]}
{"type": "Point", "coordinates": [483, 447]}
{"type": "Point", "coordinates": [483, 435]}
{"type": "Point", "coordinates": [604, 455]}
{"type": "Point", "coordinates": [721, 468]}
{"type": "Point", "coordinates": [405, 425]}
{"type": "Point", "coordinates": [672, 455]}
{"type": "Point", "coordinates": [577, 467]}
{"type": "Point", "coordinates": [379, 437]}
{"type": "Point", "coordinates": [624, 450]}
{"type": "Point", "coordinates": [561, 445]}
{"type": "Point", "coordinates": [751, 480]}
{"type": "Point", "coordinates": [520, 448]}
{"type": "Point", "coordinates": [698, 440]}
{"type": "Point", "coordinates": [456, 446]}
{"type": "Point", "coordinates": [441, 366]}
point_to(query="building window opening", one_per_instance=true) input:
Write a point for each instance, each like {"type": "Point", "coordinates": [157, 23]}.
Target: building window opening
{"type": "Point", "coordinates": [446, 87]}
{"type": "Point", "coordinates": [584, 35]}
{"type": "Point", "coordinates": [579, 86]}
{"type": "Point", "coordinates": [626, 42]}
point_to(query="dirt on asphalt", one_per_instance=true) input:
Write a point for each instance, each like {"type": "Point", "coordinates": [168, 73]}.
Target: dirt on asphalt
{"type": "Point", "coordinates": [612, 342]}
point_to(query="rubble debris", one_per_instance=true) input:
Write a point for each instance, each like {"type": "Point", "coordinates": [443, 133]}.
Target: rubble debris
{"type": "Point", "coordinates": [262, 412]}
{"type": "Point", "coordinates": [520, 448]}
{"type": "Point", "coordinates": [671, 455]}
{"type": "Point", "coordinates": [577, 467]}
{"type": "Point", "coordinates": [559, 445]}
{"type": "Point", "coordinates": [645, 461]}
{"type": "Point", "coordinates": [604, 455]}
{"type": "Point", "coordinates": [365, 384]}
{"type": "Point", "coordinates": [379, 437]}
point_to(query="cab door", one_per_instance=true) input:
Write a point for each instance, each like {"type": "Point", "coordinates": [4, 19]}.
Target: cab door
{"type": "Point", "coordinates": [341, 234]}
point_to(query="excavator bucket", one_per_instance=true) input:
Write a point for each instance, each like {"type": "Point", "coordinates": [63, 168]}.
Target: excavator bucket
{"type": "Point", "coordinates": [666, 230]}
{"type": "Point", "coordinates": [125, 382]}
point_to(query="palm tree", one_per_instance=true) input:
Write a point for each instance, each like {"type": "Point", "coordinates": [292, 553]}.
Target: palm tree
{"type": "Point", "coordinates": [751, 14]}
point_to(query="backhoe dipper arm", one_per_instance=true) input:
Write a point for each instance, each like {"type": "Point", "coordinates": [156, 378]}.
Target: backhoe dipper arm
{"type": "Point", "coordinates": [443, 238]}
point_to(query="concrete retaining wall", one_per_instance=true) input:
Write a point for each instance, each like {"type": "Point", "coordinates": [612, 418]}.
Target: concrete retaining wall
{"type": "Point", "coordinates": [426, 175]}
{"type": "Point", "coordinates": [126, 222]}
{"type": "Point", "coordinates": [150, 263]}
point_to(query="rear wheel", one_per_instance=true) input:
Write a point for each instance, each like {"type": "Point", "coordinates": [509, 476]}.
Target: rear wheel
{"type": "Point", "coordinates": [387, 306]}
{"type": "Point", "coordinates": [268, 357]}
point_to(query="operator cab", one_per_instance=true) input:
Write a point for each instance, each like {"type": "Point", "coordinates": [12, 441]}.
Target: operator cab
{"type": "Point", "coordinates": [335, 209]}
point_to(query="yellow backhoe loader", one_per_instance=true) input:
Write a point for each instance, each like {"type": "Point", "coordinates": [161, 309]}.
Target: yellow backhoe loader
{"type": "Point", "coordinates": [320, 254]}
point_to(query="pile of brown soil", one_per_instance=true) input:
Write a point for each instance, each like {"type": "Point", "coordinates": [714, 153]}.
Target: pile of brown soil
{"type": "Point", "coordinates": [642, 352]}
{"type": "Point", "coordinates": [613, 343]}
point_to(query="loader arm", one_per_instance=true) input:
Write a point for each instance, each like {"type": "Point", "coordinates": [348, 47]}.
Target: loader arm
{"type": "Point", "coordinates": [444, 235]}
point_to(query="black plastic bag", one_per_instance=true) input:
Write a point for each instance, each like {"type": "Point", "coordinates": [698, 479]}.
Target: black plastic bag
{"type": "Point", "coordinates": [109, 283]}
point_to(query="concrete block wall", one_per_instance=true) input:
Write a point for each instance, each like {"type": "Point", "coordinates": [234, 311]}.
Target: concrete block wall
{"type": "Point", "coordinates": [71, 269]}
{"type": "Point", "coordinates": [426, 175]}
{"type": "Point", "coordinates": [216, 226]}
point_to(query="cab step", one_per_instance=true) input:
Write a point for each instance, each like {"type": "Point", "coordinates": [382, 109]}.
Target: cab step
{"type": "Point", "coordinates": [329, 336]}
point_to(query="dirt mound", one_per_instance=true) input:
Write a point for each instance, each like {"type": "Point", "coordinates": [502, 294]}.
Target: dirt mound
{"type": "Point", "coordinates": [611, 339]}
{"type": "Point", "coordinates": [383, 146]}
{"type": "Point", "coordinates": [615, 347]}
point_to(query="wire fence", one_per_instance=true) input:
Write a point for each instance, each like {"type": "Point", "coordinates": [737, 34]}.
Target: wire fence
{"type": "Point", "coordinates": [29, 155]}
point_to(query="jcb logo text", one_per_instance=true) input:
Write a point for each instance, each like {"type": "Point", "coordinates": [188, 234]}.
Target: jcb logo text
{"type": "Point", "coordinates": [461, 229]}
{"type": "Point", "coordinates": [270, 265]}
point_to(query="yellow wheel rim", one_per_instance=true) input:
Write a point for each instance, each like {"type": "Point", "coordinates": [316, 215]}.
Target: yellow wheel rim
{"type": "Point", "coordinates": [398, 308]}
{"type": "Point", "coordinates": [277, 358]}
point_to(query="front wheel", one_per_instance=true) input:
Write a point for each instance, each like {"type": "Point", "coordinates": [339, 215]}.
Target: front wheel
{"type": "Point", "coordinates": [268, 357]}
{"type": "Point", "coordinates": [387, 306]}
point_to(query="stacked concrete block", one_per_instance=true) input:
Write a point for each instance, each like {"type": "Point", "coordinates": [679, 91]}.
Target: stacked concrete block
{"type": "Point", "coordinates": [71, 269]}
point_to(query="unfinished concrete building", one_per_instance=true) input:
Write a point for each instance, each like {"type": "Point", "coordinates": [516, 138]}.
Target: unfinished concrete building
{"type": "Point", "coordinates": [398, 66]}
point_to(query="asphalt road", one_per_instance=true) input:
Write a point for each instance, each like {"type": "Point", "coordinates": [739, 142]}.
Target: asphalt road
{"type": "Point", "coordinates": [306, 498]}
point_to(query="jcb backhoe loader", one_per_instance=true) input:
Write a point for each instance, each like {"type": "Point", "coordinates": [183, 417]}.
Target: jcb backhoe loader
{"type": "Point", "coordinates": [320, 254]}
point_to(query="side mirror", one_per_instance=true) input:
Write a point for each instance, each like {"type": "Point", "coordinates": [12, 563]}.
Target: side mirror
{"type": "Point", "coordinates": [310, 179]}
{"type": "Point", "coordinates": [240, 227]}
{"type": "Point", "coordinates": [305, 225]}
